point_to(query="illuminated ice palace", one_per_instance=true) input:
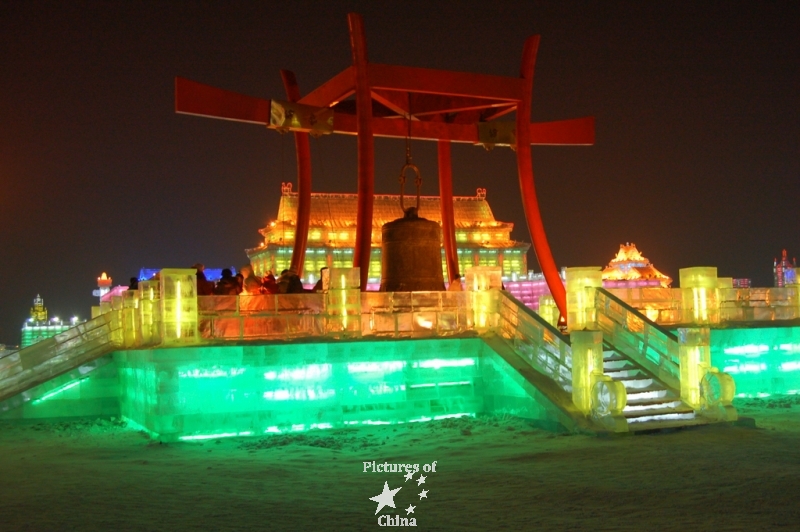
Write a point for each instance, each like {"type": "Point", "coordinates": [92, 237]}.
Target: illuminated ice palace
{"type": "Point", "coordinates": [574, 349]}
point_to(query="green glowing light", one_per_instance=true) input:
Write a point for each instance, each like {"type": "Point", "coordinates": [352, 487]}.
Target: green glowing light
{"type": "Point", "coordinates": [308, 372]}
{"type": "Point", "coordinates": [750, 367]}
{"type": "Point", "coordinates": [375, 367]}
{"type": "Point", "coordinates": [438, 363]}
{"type": "Point", "coordinates": [197, 437]}
{"type": "Point", "coordinates": [211, 374]}
{"type": "Point", "coordinates": [299, 394]}
{"type": "Point", "coordinates": [749, 349]}
{"type": "Point", "coordinates": [454, 416]}
{"type": "Point", "coordinates": [790, 366]}
{"type": "Point", "coordinates": [57, 391]}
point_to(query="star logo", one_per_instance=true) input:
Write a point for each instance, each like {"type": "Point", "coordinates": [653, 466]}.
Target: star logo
{"type": "Point", "coordinates": [410, 509]}
{"type": "Point", "coordinates": [409, 475]}
{"type": "Point", "coordinates": [386, 498]}
{"type": "Point", "coordinates": [420, 480]}
{"type": "Point", "coordinates": [422, 495]}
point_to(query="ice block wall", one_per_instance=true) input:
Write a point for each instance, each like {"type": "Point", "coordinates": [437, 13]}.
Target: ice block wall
{"type": "Point", "coordinates": [762, 361]}
{"type": "Point", "coordinates": [195, 393]}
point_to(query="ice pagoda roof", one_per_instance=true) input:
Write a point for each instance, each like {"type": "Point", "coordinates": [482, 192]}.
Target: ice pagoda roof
{"type": "Point", "coordinates": [339, 210]}
{"type": "Point", "coordinates": [630, 265]}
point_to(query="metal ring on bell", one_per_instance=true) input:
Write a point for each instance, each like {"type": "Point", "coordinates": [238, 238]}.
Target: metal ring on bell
{"type": "Point", "coordinates": [417, 182]}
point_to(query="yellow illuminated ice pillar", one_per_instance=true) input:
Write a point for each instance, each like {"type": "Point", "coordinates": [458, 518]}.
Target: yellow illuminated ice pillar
{"type": "Point", "coordinates": [481, 283]}
{"type": "Point", "coordinates": [700, 290]}
{"type": "Point", "coordinates": [581, 285]}
{"type": "Point", "coordinates": [149, 311]}
{"type": "Point", "coordinates": [131, 320]}
{"type": "Point", "coordinates": [179, 306]}
{"type": "Point", "coordinates": [795, 296]}
{"type": "Point", "coordinates": [548, 310]}
{"type": "Point", "coordinates": [115, 310]}
{"type": "Point", "coordinates": [695, 360]}
{"type": "Point", "coordinates": [587, 366]}
{"type": "Point", "coordinates": [342, 288]}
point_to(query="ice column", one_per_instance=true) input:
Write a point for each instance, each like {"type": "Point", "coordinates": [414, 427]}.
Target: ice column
{"type": "Point", "coordinates": [179, 306]}
{"type": "Point", "coordinates": [700, 291]}
{"type": "Point", "coordinates": [581, 285]}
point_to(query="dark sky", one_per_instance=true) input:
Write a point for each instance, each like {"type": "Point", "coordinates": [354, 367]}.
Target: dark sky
{"type": "Point", "coordinates": [696, 159]}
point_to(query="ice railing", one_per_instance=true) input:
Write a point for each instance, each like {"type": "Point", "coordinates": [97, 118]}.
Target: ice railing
{"type": "Point", "coordinates": [666, 306]}
{"type": "Point", "coordinates": [538, 343]}
{"type": "Point", "coordinates": [42, 361]}
{"type": "Point", "coordinates": [638, 337]}
{"type": "Point", "coordinates": [334, 315]}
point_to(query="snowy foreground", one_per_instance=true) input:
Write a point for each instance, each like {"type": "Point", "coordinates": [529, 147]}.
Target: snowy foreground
{"type": "Point", "coordinates": [490, 474]}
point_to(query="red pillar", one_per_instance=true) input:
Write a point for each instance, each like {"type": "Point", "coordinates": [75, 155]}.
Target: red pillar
{"type": "Point", "coordinates": [303, 180]}
{"type": "Point", "coordinates": [446, 201]}
{"type": "Point", "coordinates": [366, 147]}
{"type": "Point", "coordinates": [526, 185]}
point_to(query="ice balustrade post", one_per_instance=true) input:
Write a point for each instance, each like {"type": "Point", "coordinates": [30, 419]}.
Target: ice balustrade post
{"type": "Point", "coordinates": [700, 295]}
{"type": "Point", "coordinates": [795, 288]}
{"type": "Point", "coordinates": [179, 306]}
{"type": "Point", "coordinates": [587, 366]}
{"type": "Point", "coordinates": [117, 334]}
{"type": "Point", "coordinates": [342, 288]}
{"type": "Point", "coordinates": [131, 320]}
{"type": "Point", "coordinates": [581, 284]}
{"type": "Point", "coordinates": [695, 360]}
{"type": "Point", "coordinates": [149, 311]}
{"type": "Point", "coordinates": [704, 387]}
{"type": "Point", "coordinates": [481, 281]}
{"type": "Point", "coordinates": [548, 310]}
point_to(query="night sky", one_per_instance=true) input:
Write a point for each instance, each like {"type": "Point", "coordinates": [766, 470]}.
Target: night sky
{"type": "Point", "coordinates": [696, 160]}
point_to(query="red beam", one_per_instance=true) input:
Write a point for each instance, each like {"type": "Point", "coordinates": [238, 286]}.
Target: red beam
{"type": "Point", "coordinates": [193, 98]}
{"type": "Point", "coordinates": [332, 91]}
{"type": "Point", "coordinates": [366, 148]}
{"type": "Point", "coordinates": [394, 100]}
{"type": "Point", "coordinates": [576, 132]}
{"type": "Point", "coordinates": [428, 104]}
{"type": "Point", "coordinates": [527, 188]}
{"type": "Point", "coordinates": [303, 180]}
{"type": "Point", "coordinates": [413, 79]}
{"type": "Point", "coordinates": [573, 132]}
{"type": "Point", "coordinates": [199, 99]}
{"type": "Point", "coordinates": [446, 205]}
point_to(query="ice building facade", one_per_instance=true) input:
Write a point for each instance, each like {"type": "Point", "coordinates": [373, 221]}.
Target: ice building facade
{"type": "Point", "coordinates": [481, 239]}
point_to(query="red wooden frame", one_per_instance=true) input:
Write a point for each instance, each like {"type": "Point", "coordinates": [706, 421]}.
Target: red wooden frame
{"type": "Point", "coordinates": [443, 106]}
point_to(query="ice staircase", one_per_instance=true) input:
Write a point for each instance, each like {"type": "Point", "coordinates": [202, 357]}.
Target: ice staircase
{"type": "Point", "coordinates": [645, 358]}
{"type": "Point", "coordinates": [639, 356]}
{"type": "Point", "coordinates": [650, 404]}
{"type": "Point", "coordinates": [35, 370]}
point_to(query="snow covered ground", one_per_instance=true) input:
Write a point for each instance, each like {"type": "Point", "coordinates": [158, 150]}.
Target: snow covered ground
{"type": "Point", "coordinates": [490, 474]}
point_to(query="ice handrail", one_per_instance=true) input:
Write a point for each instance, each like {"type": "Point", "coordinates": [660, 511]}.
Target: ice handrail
{"type": "Point", "coordinates": [542, 346]}
{"type": "Point", "coordinates": [651, 345]}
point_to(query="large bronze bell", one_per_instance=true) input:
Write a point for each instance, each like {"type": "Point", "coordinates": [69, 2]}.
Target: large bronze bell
{"type": "Point", "coordinates": [411, 251]}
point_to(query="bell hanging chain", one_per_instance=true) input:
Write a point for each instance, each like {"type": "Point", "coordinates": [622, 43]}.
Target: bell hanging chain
{"type": "Point", "coordinates": [409, 164]}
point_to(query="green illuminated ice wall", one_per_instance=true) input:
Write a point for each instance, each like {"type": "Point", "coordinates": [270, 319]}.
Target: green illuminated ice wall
{"type": "Point", "coordinates": [204, 392]}
{"type": "Point", "coordinates": [762, 361]}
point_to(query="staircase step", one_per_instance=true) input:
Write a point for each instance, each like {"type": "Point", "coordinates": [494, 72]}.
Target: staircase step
{"type": "Point", "coordinates": [637, 383]}
{"type": "Point", "coordinates": [652, 405]}
{"type": "Point", "coordinates": [610, 365]}
{"type": "Point", "coordinates": [678, 412]}
{"type": "Point", "coordinates": [666, 424]}
{"type": "Point", "coordinates": [626, 373]}
{"type": "Point", "coordinates": [649, 392]}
